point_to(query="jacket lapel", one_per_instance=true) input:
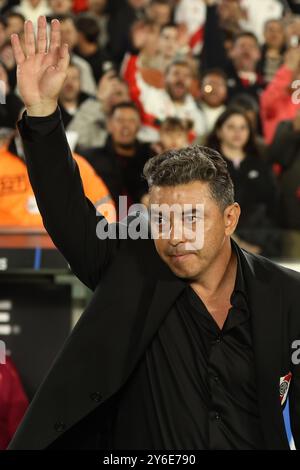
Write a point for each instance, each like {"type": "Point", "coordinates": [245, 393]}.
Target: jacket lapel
{"type": "Point", "coordinates": [265, 298]}
{"type": "Point", "coordinates": [166, 291]}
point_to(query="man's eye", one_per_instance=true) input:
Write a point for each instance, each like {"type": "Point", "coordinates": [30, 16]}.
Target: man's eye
{"type": "Point", "coordinates": [191, 218]}
{"type": "Point", "coordinates": [160, 220]}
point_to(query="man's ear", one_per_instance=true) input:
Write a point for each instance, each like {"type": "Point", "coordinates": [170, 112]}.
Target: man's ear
{"type": "Point", "coordinates": [231, 218]}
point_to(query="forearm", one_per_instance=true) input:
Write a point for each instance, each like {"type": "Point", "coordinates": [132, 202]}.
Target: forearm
{"type": "Point", "coordinates": [69, 217]}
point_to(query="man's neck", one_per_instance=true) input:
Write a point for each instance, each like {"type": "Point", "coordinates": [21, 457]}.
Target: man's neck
{"type": "Point", "coordinates": [219, 279]}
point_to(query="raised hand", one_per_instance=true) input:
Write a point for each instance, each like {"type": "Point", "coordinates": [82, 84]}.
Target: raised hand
{"type": "Point", "coordinates": [41, 71]}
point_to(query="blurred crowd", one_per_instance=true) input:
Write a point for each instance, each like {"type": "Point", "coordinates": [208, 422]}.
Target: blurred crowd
{"type": "Point", "coordinates": [150, 75]}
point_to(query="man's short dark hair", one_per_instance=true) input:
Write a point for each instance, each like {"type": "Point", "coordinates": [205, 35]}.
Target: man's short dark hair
{"type": "Point", "coordinates": [246, 34]}
{"type": "Point", "coordinates": [193, 163]}
{"type": "Point", "coordinates": [124, 105]}
{"type": "Point", "coordinates": [178, 62]}
{"type": "Point", "coordinates": [88, 26]}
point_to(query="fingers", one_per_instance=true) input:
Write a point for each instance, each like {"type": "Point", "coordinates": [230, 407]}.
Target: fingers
{"type": "Point", "coordinates": [29, 38]}
{"type": "Point", "coordinates": [55, 36]}
{"type": "Point", "coordinates": [17, 49]}
{"type": "Point", "coordinates": [42, 35]}
{"type": "Point", "coordinates": [64, 58]}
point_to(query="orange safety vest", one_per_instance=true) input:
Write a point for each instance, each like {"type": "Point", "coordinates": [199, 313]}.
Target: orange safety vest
{"type": "Point", "coordinates": [17, 202]}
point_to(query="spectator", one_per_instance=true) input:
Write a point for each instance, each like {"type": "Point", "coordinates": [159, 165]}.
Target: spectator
{"type": "Point", "coordinates": [98, 8]}
{"type": "Point", "coordinates": [87, 44]}
{"type": "Point", "coordinates": [240, 64]}
{"type": "Point", "coordinates": [277, 102]}
{"type": "Point", "coordinates": [285, 154]}
{"type": "Point", "coordinates": [90, 122]}
{"type": "Point", "coordinates": [70, 36]}
{"type": "Point", "coordinates": [121, 160]}
{"type": "Point", "coordinates": [15, 23]}
{"type": "Point", "coordinates": [273, 49]}
{"type": "Point", "coordinates": [13, 402]}
{"type": "Point", "coordinates": [17, 202]}
{"type": "Point", "coordinates": [145, 40]}
{"type": "Point", "coordinates": [174, 134]}
{"type": "Point", "coordinates": [175, 100]}
{"type": "Point", "coordinates": [213, 96]}
{"type": "Point", "coordinates": [72, 98]}
{"type": "Point", "coordinates": [119, 27]}
{"type": "Point", "coordinates": [250, 106]}
{"type": "Point", "coordinates": [254, 182]}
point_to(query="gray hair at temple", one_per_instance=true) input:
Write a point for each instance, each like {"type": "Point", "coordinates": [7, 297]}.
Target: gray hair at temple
{"type": "Point", "coordinates": [194, 163]}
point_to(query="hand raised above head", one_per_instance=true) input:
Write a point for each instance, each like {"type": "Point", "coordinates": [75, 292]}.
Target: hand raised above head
{"type": "Point", "coordinates": [41, 70]}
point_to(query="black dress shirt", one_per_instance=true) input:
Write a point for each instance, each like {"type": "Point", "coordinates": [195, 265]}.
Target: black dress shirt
{"type": "Point", "coordinates": [195, 387]}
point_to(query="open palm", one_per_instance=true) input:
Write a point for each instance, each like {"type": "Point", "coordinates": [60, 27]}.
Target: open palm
{"type": "Point", "coordinates": [41, 71]}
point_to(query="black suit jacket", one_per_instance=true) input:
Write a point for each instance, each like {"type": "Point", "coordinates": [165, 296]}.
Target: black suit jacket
{"type": "Point", "coordinates": [133, 291]}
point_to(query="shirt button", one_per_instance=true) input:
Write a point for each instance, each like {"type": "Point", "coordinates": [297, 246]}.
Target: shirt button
{"type": "Point", "coordinates": [218, 340]}
{"type": "Point", "coordinates": [216, 378]}
{"type": "Point", "coordinates": [59, 426]}
{"type": "Point", "coordinates": [96, 396]}
{"type": "Point", "coordinates": [217, 417]}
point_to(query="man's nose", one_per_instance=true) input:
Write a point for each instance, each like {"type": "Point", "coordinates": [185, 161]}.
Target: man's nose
{"type": "Point", "coordinates": [176, 236]}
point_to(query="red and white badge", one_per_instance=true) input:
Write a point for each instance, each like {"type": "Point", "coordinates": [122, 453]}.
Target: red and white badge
{"type": "Point", "coordinates": [284, 386]}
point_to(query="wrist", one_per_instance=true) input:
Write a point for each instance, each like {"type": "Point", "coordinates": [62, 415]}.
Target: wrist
{"type": "Point", "coordinates": [41, 109]}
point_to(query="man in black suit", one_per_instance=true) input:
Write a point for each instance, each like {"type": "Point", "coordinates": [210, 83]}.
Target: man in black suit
{"type": "Point", "coordinates": [189, 341]}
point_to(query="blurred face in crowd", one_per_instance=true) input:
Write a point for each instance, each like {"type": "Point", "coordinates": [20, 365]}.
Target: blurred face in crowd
{"type": "Point", "coordinates": [160, 13]}
{"type": "Point", "coordinates": [71, 87]}
{"type": "Point", "coordinates": [61, 6]}
{"type": "Point", "coordinates": [69, 33]}
{"type": "Point", "coordinates": [245, 54]}
{"type": "Point", "coordinates": [15, 24]}
{"type": "Point", "coordinates": [184, 258]}
{"type": "Point", "coordinates": [123, 126]}
{"type": "Point", "coordinates": [214, 90]}
{"type": "Point", "coordinates": [173, 139]}
{"type": "Point", "coordinates": [274, 34]}
{"type": "Point", "coordinates": [168, 43]}
{"type": "Point", "coordinates": [235, 132]}
{"type": "Point", "coordinates": [97, 6]}
{"type": "Point", "coordinates": [178, 81]}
